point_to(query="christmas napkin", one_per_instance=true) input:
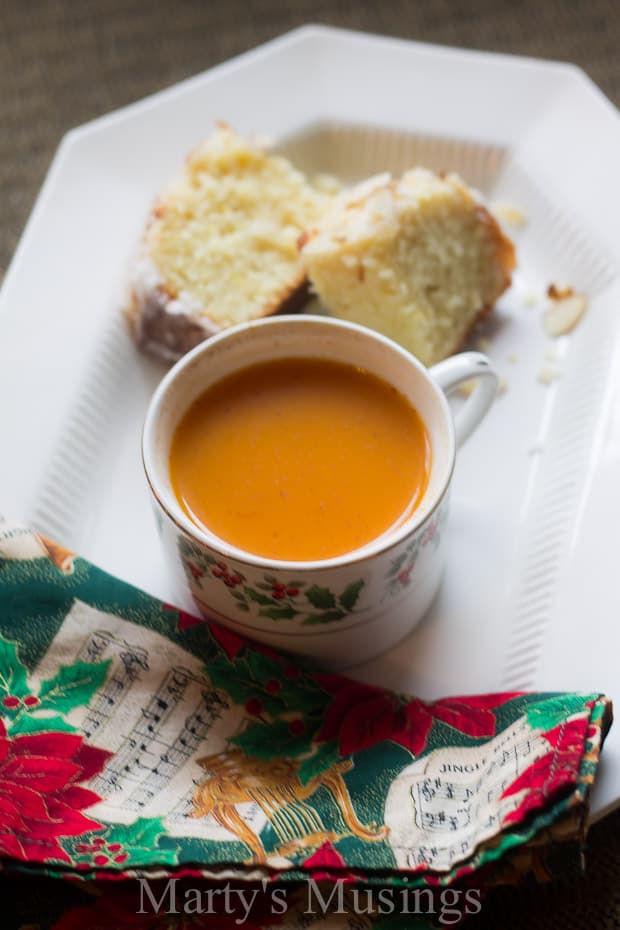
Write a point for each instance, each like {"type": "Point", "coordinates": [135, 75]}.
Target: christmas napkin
{"type": "Point", "coordinates": [137, 741]}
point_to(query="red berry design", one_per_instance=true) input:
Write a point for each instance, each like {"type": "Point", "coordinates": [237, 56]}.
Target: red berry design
{"type": "Point", "coordinates": [278, 586]}
{"type": "Point", "coordinates": [31, 700]}
{"type": "Point", "coordinates": [218, 573]}
{"type": "Point", "coordinates": [11, 702]}
{"type": "Point", "coordinates": [229, 582]}
{"type": "Point", "coordinates": [292, 592]}
{"type": "Point", "coordinates": [254, 707]}
{"type": "Point", "coordinates": [122, 858]}
{"type": "Point", "coordinates": [196, 572]}
{"type": "Point", "coordinates": [291, 673]}
{"type": "Point", "coordinates": [403, 576]}
{"type": "Point", "coordinates": [114, 847]}
{"type": "Point", "coordinates": [82, 848]}
{"type": "Point", "coordinates": [99, 842]}
{"type": "Point", "coordinates": [430, 533]}
{"type": "Point", "coordinates": [101, 860]}
{"type": "Point", "coordinates": [273, 686]}
{"type": "Point", "coordinates": [236, 579]}
{"type": "Point", "coordinates": [278, 595]}
{"type": "Point", "coordinates": [223, 567]}
{"type": "Point", "coordinates": [297, 726]}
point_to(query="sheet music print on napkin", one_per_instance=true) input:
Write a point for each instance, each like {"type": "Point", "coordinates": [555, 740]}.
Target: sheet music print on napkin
{"type": "Point", "coordinates": [155, 711]}
{"type": "Point", "coordinates": [299, 772]}
{"type": "Point", "coordinates": [454, 796]}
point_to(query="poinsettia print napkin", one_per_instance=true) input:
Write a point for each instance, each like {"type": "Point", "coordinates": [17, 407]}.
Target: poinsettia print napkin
{"type": "Point", "coordinates": [137, 740]}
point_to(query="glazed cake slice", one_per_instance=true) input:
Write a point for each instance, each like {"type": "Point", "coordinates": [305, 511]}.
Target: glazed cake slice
{"type": "Point", "coordinates": [220, 246]}
{"type": "Point", "coordinates": [419, 259]}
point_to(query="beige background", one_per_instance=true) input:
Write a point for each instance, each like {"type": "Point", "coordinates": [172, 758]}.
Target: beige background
{"type": "Point", "coordinates": [66, 61]}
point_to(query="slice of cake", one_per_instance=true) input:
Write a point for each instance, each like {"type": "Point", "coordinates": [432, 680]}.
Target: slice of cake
{"type": "Point", "coordinates": [221, 245]}
{"type": "Point", "coordinates": [419, 259]}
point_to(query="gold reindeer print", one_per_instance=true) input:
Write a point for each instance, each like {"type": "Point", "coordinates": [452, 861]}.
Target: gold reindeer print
{"type": "Point", "coordinates": [235, 778]}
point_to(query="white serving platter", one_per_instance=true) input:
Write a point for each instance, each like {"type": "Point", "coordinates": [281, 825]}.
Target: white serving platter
{"type": "Point", "coordinates": [531, 598]}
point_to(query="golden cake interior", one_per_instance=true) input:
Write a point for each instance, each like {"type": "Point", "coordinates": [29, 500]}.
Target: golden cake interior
{"type": "Point", "coordinates": [419, 259]}
{"type": "Point", "coordinates": [224, 236]}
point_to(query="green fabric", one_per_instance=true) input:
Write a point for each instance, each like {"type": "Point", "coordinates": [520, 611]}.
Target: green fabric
{"type": "Point", "coordinates": [137, 740]}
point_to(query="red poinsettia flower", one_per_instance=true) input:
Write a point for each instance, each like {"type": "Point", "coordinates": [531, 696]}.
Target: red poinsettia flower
{"type": "Point", "coordinates": [361, 715]}
{"type": "Point", "coordinates": [554, 773]}
{"type": "Point", "coordinates": [230, 642]}
{"type": "Point", "coordinates": [326, 864]}
{"type": "Point", "coordinates": [118, 910]}
{"type": "Point", "coordinates": [40, 798]}
{"type": "Point", "coordinates": [185, 620]}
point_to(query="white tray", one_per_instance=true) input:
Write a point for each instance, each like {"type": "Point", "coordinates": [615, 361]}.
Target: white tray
{"type": "Point", "coordinates": [531, 597]}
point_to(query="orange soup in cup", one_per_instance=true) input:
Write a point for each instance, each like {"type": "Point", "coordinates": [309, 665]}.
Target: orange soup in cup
{"type": "Point", "coordinates": [300, 459]}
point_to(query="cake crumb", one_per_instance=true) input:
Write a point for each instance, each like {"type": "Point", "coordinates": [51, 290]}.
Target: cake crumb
{"type": "Point", "coordinates": [547, 374]}
{"type": "Point", "coordinates": [530, 299]}
{"type": "Point", "coordinates": [467, 387]}
{"type": "Point", "coordinates": [508, 213]}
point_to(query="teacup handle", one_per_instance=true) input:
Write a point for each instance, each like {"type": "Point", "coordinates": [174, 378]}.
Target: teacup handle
{"type": "Point", "coordinates": [453, 372]}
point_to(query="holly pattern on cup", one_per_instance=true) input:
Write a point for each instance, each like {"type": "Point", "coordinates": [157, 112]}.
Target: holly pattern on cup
{"type": "Point", "coordinates": [275, 598]}
{"type": "Point", "coordinates": [400, 572]}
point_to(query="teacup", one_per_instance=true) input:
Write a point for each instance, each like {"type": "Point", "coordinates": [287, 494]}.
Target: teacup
{"type": "Point", "coordinates": [338, 611]}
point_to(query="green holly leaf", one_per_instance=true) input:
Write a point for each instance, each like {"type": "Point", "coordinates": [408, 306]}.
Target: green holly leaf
{"type": "Point", "coordinates": [257, 597]}
{"type": "Point", "coordinates": [143, 834]}
{"type": "Point", "coordinates": [262, 667]}
{"type": "Point", "coordinates": [397, 564]}
{"type": "Point", "coordinates": [328, 616]}
{"type": "Point", "coordinates": [244, 684]}
{"type": "Point", "coordinates": [320, 597]}
{"type": "Point", "coordinates": [28, 724]}
{"type": "Point", "coordinates": [240, 686]}
{"type": "Point", "coordinates": [322, 759]}
{"type": "Point", "coordinates": [241, 605]}
{"type": "Point", "coordinates": [348, 598]}
{"type": "Point", "coordinates": [72, 685]}
{"type": "Point", "coordinates": [13, 678]}
{"type": "Point", "coordinates": [547, 714]}
{"type": "Point", "coordinates": [136, 843]}
{"type": "Point", "coordinates": [278, 613]}
{"type": "Point", "coordinates": [276, 741]}
{"type": "Point", "coordinates": [252, 741]}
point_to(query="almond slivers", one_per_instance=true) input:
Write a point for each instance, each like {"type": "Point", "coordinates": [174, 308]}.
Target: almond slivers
{"type": "Point", "coordinates": [564, 313]}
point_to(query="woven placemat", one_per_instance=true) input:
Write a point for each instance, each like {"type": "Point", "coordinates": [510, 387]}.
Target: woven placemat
{"type": "Point", "coordinates": [65, 62]}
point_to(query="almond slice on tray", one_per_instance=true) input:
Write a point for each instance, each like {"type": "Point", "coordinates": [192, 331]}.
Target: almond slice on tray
{"type": "Point", "coordinates": [564, 312]}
